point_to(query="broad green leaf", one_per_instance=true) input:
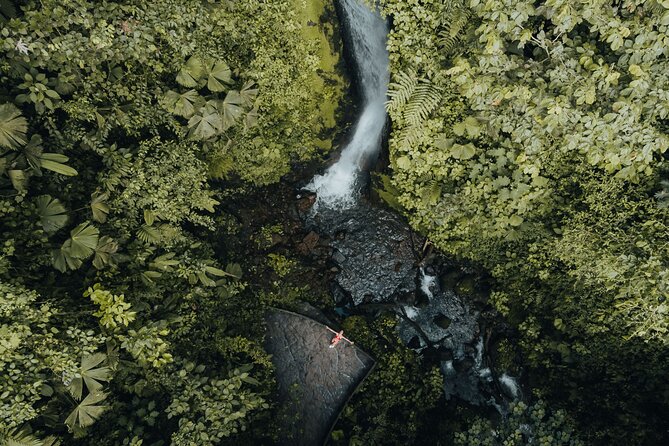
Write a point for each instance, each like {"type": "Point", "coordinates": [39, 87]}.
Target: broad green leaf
{"type": "Point", "coordinates": [53, 162]}
{"type": "Point", "coordinates": [469, 127]}
{"type": "Point", "coordinates": [76, 387]}
{"type": "Point", "coordinates": [148, 277]}
{"type": "Point", "coordinates": [218, 73]}
{"type": "Point", "coordinates": [251, 118]}
{"type": "Point", "coordinates": [62, 260]}
{"type": "Point", "coordinates": [148, 234]}
{"type": "Point", "coordinates": [87, 411]}
{"type": "Point", "coordinates": [181, 104]}
{"type": "Point", "coordinates": [403, 162]}
{"type": "Point", "coordinates": [204, 279]}
{"type": "Point", "coordinates": [191, 73]}
{"type": "Point", "coordinates": [216, 271]}
{"type": "Point", "coordinates": [92, 374]}
{"type": "Point", "coordinates": [99, 208]}
{"type": "Point", "coordinates": [33, 153]}
{"type": "Point", "coordinates": [231, 108]}
{"type": "Point", "coordinates": [463, 152]}
{"type": "Point", "coordinates": [13, 127]}
{"type": "Point", "coordinates": [164, 262]}
{"type": "Point", "coordinates": [234, 270]}
{"type": "Point", "coordinates": [206, 124]}
{"type": "Point", "coordinates": [51, 212]}
{"type": "Point", "coordinates": [516, 220]}
{"type": "Point", "coordinates": [459, 129]}
{"type": "Point", "coordinates": [149, 216]}
{"type": "Point", "coordinates": [18, 179]}
{"type": "Point", "coordinates": [472, 126]}
{"type": "Point", "coordinates": [83, 241]}
{"type": "Point", "coordinates": [104, 251]}
{"type": "Point", "coordinates": [248, 94]}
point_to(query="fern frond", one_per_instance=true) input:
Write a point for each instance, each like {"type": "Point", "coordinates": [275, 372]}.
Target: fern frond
{"type": "Point", "coordinates": [401, 91]}
{"type": "Point", "coordinates": [148, 234]}
{"type": "Point", "coordinates": [423, 102]}
{"type": "Point", "coordinates": [653, 7]}
{"type": "Point", "coordinates": [21, 437]}
{"type": "Point", "coordinates": [409, 137]}
{"type": "Point", "coordinates": [456, 18]}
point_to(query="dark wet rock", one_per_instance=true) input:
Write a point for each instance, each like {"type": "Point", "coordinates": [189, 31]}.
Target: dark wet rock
{"type": "Point", "coordinates": [442, 321]}
{"type": "Point", "coordinates": [340, 296]}
{"type": "Point", "coordinates": [460, 331]}
{"type": "Point", "coordinates": [446, 327]}
{"type": "Point", "coordinates": [314, 380]}
{"type": "Point", "coordinates": [380, 265]}
{"type": "Point", "coordinates": [305, 203]}
{"type": "Point", "coordinates": [374, 251]}
{"type": "Point", "coordinates": [338, 258]}
{"type": "Point", "coordinates": [449, 279]}
{"type": "Point", "coordinates": [308, 243]}
{"type": "Point", "coordinates": [308, 310]}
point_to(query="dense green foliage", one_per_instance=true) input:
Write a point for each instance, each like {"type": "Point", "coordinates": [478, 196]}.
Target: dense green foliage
{"type": "Point", "coordinates": [391, 405]}
{"type": "Point", "coordinates": [524, 425]}
{"type": "Point", "coordinates": [116, 118]}
{"type": "Point", "coordinates": [531, 138]}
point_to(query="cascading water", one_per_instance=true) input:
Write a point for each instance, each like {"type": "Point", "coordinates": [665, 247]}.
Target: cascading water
{"type": "Point", "coordinates": [373, 249]}
{"type": "Point", "coordinates": [339, 186]}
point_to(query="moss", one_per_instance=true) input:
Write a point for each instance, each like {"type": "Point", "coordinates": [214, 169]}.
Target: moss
{"type": "Point", "coordinates": [466, 286]}
{"type": "Point", "coordinates": [327, 78]}
{"type": "Point", "coordinates": [506, 356]}
{"type": "Point", "coordinates": [281, 264]}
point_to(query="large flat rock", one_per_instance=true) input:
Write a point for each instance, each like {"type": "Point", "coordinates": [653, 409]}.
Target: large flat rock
{"type": "Point", "coordinates": [315, 381]}
{"type": "Point", "coordinates": [374, 251]}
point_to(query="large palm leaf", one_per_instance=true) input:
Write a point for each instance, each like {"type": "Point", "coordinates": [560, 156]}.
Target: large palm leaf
{"type": "Point", "coordinates": [13, 126]}
{"type": "Point", "coordinates": [87, 411]}
{"type": "Point", "coordinates": [52, 213]}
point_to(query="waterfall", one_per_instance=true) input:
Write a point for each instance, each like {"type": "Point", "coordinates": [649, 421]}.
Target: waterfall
{"type": "Point", "coordinates": [339, 186]}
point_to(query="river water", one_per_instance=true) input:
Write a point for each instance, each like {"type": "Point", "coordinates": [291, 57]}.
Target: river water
{"type": "Point", "coordinates": [377, 256]}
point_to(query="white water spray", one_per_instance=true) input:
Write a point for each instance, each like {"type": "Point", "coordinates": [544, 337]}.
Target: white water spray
{"type": "Point", "coordinates": [338, 187]}
{"type": "Point", "coordinates": [427, 283]}
{"type": "Point", "coordinates": [511, 385]}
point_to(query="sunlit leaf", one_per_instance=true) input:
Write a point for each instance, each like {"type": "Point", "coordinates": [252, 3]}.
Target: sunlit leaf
{"type": "Point", "coordinates": [62, 260]}
{"type": "Point", "coordinates": [181, 104]}
{"type": "Point", "coordinates": [18, 179]}
{"type": "Point", "coordinates": [230, 108]}
{"type": "Point", "coordinates": [164, 262]}
{"type": "Point", "coordinates": [463, 152]}
{"type": "Point", "coordinates": [248, 93]}
{"type": "Point", "coordinates": [148, 234]}
{"type": "Point", "coordinates": [54, 162]}
{"type": "Point", "coordinates": [82, 242]}
{"type": "Point", "coordinates": [251, 118]}
{"type": "Point", "coordinates": [99, 208]}
{"type": "Point", "coordinates": [191, 73]}
{"type": "Point", "coordinates": [13, 126]}
{"type": "Point", "coordinates": [206, 124]}
{"type": "Point", "coordinates": [218, 73]}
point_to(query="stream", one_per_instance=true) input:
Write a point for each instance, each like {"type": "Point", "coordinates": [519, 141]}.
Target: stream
{"type": "Point", "coordinates": [380, 262]}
